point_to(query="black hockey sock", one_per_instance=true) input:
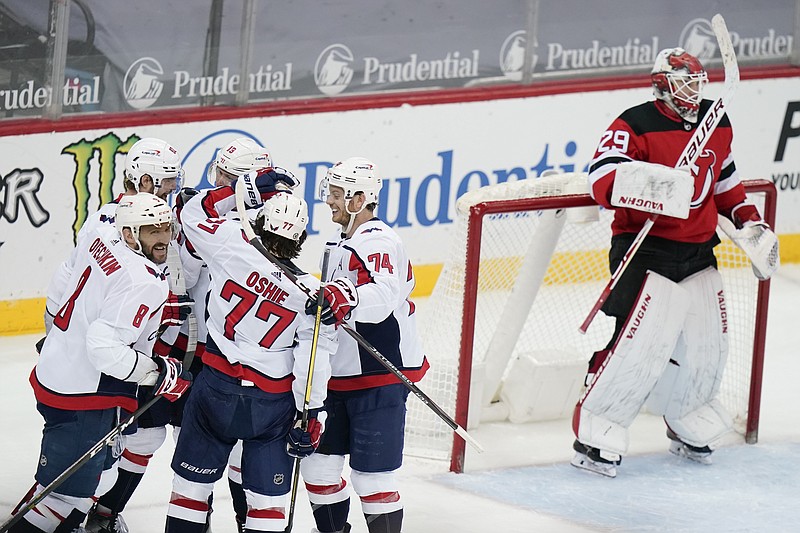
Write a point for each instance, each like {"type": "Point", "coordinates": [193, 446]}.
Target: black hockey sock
{"type": "Point", "coordinates": [117, 498]}
{"type": "Point", "coordinates": [332, 517]}
{"type": "Point", "coordinates": [239, 501]}
{"type": "Point", "coordinates": [177, 525]}
{"type": "Point", "coordinates": [385, 523]}
{"type": "Point", "coordinates": [23, 526]}
{"type": "Point", "coordinates": [210, 510]}
{"type": "Point", "coordinates": [71, 522]}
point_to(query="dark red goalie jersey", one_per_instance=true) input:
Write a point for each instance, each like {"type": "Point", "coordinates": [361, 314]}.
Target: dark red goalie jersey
{"type": "Point", "coordinates": [650, 132]}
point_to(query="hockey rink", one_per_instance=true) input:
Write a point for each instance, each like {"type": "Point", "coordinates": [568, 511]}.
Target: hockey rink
{"type": "Point", "coordinates": [523, 482]}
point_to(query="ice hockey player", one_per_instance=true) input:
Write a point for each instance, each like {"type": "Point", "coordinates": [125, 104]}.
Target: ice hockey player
{"type": "Point", "coordinates": [152, 166]}
{"type": "Point", "coordinates": [670, 344]}
{"type": "Point", "coordinates": [370, 285]}
{"type": "Point", "coordinates": [98, 351]}
{"type": "Point", "coordinates": [238, 157]}
{"type": "Point", "coordinates": [256, 358]}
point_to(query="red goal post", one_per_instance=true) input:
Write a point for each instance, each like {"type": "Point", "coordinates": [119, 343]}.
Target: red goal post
{"type": "Point", "coordinates": [527, 264]}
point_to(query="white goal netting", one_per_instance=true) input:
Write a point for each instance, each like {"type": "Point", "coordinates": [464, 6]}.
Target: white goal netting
{"type": "Point", "coordinates": [541, 271]}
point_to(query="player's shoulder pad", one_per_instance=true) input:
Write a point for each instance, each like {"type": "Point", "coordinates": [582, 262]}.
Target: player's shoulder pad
{"type": "Point", "coordinates": [646, 118]}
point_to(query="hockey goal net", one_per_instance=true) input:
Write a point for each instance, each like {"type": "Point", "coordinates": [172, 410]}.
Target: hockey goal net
{"type": "Point", "coordinates": [529, 260]}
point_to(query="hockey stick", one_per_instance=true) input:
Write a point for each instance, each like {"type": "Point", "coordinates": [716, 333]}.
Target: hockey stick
{"type": "Point", "coordinates": [94, 450]}
{"type": "Point", "coordinates": [689, 155]}
{"type": "Point", "coordinates": [178, 286]}
{"type": "Point", "coordinates": [307, 397]}
{"type": "Point", "coordinates": [253, 239]}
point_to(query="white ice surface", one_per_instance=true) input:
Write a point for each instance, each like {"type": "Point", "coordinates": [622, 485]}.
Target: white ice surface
{"type": "Point", "coordinates": [522, 482]}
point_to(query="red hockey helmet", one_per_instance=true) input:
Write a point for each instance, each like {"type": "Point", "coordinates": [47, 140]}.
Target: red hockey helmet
{"type": "Point", "coordinates": [679, 79]}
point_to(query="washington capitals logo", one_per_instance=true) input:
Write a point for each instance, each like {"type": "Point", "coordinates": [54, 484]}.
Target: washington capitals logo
{"type": "Point", "coordinates": [157, 273]}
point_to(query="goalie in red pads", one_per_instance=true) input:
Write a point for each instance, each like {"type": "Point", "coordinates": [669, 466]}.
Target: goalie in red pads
{"type": "Point", "coordinates": [670, 344]}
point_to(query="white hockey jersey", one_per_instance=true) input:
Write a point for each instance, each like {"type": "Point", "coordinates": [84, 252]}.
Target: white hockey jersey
{"type": "Point", "coordinates": [104, 328]}
{"type": "Point", "coordinates": [375, 260]}
{"type": "Point", "coordinates": [103, 217]}
{"type": "Point", "coordinates": [257, 328]}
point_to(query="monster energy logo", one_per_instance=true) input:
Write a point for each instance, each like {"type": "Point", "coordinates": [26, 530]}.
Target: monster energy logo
{"type": "Point", "coordinates": [105, 148]}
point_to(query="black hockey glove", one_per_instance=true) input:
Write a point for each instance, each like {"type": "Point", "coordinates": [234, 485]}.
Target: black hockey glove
{"type": "Point", "coordinates": [301, 443]}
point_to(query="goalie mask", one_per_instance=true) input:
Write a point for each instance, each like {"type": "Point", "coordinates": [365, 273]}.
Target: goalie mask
{"type": "Point", "coordinates": [142, 209]}
{"type": "Point", "coordinates": [241, 156]}
{"type": "Point", "coordinates": [678, 80]}
{"type": "Point", "coordinates": [155, 158]}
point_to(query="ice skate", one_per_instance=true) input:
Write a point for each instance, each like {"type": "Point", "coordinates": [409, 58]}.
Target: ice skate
{"type": "Point", "coordinates": [687, 451]}
{"type": "Point", "coordinates": [591, 459]}
{"type": "Point", "coordinates": [98, 522]}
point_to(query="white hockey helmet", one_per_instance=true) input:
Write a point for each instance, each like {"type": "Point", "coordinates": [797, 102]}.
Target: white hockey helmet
{"type": "Point", "coordinates": [678, 79]}
{"type": "Point", "coordinates": [141, 209]}
{"type": "Point", "coordinates": [239, 157]}
{"type": "Point", "coordinates": [354, 175]}
{"type": "Point", "coordinates": [155, 158]}
{"type": "Point", "coordinates": [285, 215]}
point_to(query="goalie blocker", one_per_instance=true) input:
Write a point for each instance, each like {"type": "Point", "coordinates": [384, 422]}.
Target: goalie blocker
{"type": "Point", "coordinates": [653, 188]}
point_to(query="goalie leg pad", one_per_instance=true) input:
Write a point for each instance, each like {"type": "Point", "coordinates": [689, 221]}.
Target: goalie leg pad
{"type": "Point", "coordinates": [692, 379]}
{"type": "Point", "coordinates": [626, 377]}
{"type": "Point", "coordinates": [703, 426]}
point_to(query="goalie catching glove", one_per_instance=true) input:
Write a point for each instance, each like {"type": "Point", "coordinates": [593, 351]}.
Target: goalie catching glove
{"type": "Point", "coordinates": [176, 310]}
{"type": "Point", "coordinates": [339, 299]}
{"type": "Point", "coordinates": [262, 184]}
{"type": "Point", "coordinates": [302, 443]}
{"type": "Point", "coordinates": [173, 381]}
{"type": "Point", "coordinates": [760, 244]}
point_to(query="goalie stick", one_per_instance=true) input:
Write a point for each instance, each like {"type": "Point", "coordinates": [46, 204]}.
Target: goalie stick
{"type": "Point", "coordinates": [689, 155]}
{"type": "Point", "coordinates": [253, 239]}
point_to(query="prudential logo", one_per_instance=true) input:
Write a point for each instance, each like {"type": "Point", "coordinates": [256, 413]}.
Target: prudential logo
{"type": "Point", "coordinates": [698, 39]}
{"type": "Point", "coordinates": [333, 70]}
{"type": "Point", "coordinates": [142, 83]}
{"type": "Point", "coordinates": [512, 55]}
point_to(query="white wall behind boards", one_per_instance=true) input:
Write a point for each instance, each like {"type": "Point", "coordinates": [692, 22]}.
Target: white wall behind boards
{"type": "Point", "coordinates": [428, 154]}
